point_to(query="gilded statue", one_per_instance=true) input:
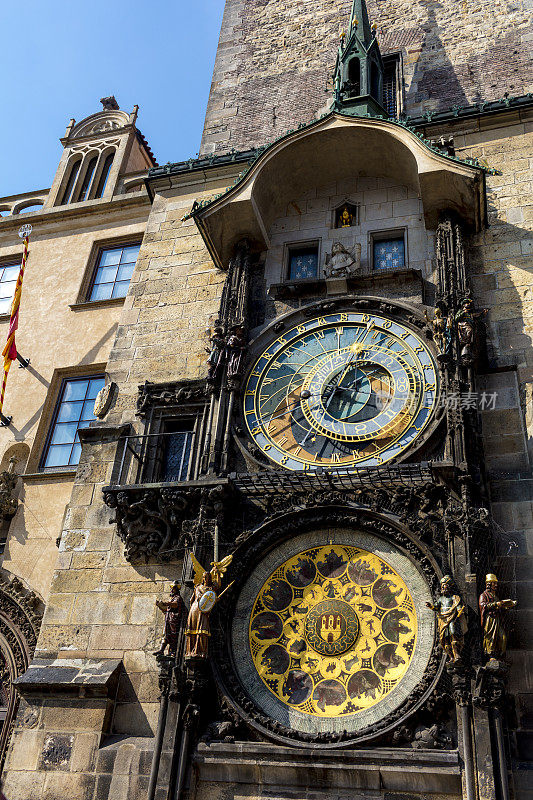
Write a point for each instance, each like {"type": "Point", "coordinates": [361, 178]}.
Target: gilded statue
{"type": "Point", "coordinates": [173, 608]}
{"type": "Point", "coordinates": [442, 328]}
{"type": "Point", "coordinates": [450, 620]}
{"type": "Point", "coordinates": [207, 587]}
{"type": "Point", "coordinates": [492, 611]}
{"type": "Point", "coordinates": [345, 218]}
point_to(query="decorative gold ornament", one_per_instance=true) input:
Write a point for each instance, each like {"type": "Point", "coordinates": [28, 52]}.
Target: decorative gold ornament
{"type": "Point", "coordinates": [332, 630]}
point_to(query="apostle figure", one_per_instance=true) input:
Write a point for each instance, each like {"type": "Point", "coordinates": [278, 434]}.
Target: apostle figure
{"type": "Point", "coordinates": [206, 593]}
{"type": "Point", "coordinates": [450, 619]}
{"type": "Point", "coordinates": [492, 609]}
{"type": "Point", "coordinates": [235, 348]}
{"type": "Point", "coordinates": [215, 359]}
{"type": "Point", "coordinates": [173, 608]}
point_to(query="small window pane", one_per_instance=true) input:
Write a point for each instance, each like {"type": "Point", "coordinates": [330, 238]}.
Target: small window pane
{"type": "Point", "coordinates": [69, 412]}
{"type": "Point", "coordinates": [303, 263]}
{"type": "Point", "coordinates": [389, 254]}
{"type": "Point", "coordinates": [11, 273]}
{"type": "Point", "coordinates": [125, 271]}
{"type": "Point", "coordinates": [8, 281]}
{"type": "Point", "coordinates": [64, 433]}
{"type": "Point", "coordinates": [110, 257]}
{"type": "Point", "coordinates": [106, 274]}
{"type": "Point", "coordinates": [120, 289]}
{"type": "Point", "coordinates": [94, 387]}
{"type": "Point", "coordinates": [7, 290]}
{"type": "Point", "coordinates": [58, 456]}
{"type": "Point", "coordinates": [76, 453]}
{"type": "Point", "coordinates": [115, 278]}
{"type": "Point", "coordinates": [177, 456]}
{"type": "Point", "coordinates": [130, 253]}
{"type": "Point", "coordinates": [87, 413]}
{"type": "Point", "coordinates": [102, 292]}
{"type": "Point", "coordinates": [74, 390]}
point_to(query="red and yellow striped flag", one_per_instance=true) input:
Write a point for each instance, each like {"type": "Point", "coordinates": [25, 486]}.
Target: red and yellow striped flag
{"type": "Point", "coordinates": [10, 350]}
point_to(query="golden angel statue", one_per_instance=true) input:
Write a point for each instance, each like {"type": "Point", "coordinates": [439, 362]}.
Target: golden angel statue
{"type": "Point", "coordinates": [206, 593]}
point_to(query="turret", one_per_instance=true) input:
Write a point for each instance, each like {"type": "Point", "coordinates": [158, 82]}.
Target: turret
{"type": "Point", "coordinates": [358, 81]}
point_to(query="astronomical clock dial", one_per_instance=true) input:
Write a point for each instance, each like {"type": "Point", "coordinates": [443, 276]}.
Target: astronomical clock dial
{"type": "Point", "coordinates": [332, 636]}
{"type": "Point", "coordinates": [344, 390]}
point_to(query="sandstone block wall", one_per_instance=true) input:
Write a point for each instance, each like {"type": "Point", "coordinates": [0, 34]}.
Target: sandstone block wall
{"type": "Point", "coordinates": [275, 60]}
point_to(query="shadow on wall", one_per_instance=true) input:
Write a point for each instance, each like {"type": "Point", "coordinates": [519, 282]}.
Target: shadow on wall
{"type": "Point", "coordinates": [435, 87]}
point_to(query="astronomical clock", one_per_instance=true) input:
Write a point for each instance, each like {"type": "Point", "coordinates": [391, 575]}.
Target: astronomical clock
{"type": "Point", "coordinates": [328, 635]}
{"type": "Point", "coordinates": [344, 390]}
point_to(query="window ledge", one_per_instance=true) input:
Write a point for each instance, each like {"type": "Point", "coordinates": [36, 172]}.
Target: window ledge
{"type": "Point", "coordinates": [5, 317]}
{"type": "Point", "coordinates": [49, 476]}
{"type": "Point", "coordinates": [317, 286]}
{"type": "Point", "coordinates": [113, 301]}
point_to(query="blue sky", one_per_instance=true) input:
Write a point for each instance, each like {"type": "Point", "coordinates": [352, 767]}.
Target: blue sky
{"type": "Point", "coordinates": [59, 58]}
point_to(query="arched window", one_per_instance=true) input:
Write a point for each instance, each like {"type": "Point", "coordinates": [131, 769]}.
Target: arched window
{"type": "Point", "coordinates": [106, 169]}
{"type": "Point", "coordinates": [354, 77]}
{"type": "Point", "coordinates": [87, 179]}
{"type": "Point", "coordinates": [374, 81]}
{"type": "Point", "coordinates": [69, 188]}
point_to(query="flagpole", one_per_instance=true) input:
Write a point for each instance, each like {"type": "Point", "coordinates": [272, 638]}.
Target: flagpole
{"type": "Point", "coordinates": [10, 350]}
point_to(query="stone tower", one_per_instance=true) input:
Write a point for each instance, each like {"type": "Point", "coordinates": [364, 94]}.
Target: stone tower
{"type": "Point", "coordinates": [295, 558]}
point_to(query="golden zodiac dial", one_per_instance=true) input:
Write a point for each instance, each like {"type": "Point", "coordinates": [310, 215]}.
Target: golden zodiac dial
{"type": "Point", "coordinates": [332, 630]}
{"type": "Point", "coordinates": [346, 389]}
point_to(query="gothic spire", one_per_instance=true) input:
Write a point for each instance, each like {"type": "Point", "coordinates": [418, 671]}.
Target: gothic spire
{"type": "Point", "coordinates": [358, 81]}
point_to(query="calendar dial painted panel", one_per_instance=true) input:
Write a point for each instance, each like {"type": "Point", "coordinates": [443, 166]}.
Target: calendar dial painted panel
{"type": "Point", "coordinates": [343, 390]}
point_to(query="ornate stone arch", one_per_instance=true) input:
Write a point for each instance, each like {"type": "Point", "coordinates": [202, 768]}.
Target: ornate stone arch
{"type": "Point", "coordinates": [20, 619]}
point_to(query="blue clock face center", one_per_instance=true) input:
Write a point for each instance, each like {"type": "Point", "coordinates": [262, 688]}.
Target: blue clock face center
{"type": "Point", "coordinates": [346, 393]}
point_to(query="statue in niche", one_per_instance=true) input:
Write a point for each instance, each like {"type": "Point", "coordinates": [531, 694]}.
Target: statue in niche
{"type": "Point", "coordinates": [173, 608]}
{"type": "Point", "coordinates": [492, 611]}
{"type": "Point", "coordinates": [235, 349]}
{"type": "Point", "coordinates": [467, 323]}
{"type": "Point", "coordinates": [450, 620]}
{"type": "Point", "coordinates": [206, 593]}
{"type": "Point", "coordinates": [216, 354]}
{"type": "Point", "coordinates": [341, 262]}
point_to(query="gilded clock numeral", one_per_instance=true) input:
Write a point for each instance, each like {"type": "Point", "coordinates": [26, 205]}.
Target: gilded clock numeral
{"type": "Point", "coordinates": [344, 317]}
{"type": "Point", "coordinates": [301, 328]}
{"type": "Point", "coordinates": [284, 460]}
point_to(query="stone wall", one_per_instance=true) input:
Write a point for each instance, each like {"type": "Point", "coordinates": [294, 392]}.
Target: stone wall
{"type": "Point", "coordinates": [61, 338]}
{"type": "Point", "coordinates": [275, 60]}
{"type": "Point", "coordinates": [501, 267]}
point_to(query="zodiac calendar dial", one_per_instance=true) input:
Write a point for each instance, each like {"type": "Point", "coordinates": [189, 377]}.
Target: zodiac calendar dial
{"type": "Point", "coordinates": [346, 390]}
{"type": "Point", "coordinates": [332, 631]}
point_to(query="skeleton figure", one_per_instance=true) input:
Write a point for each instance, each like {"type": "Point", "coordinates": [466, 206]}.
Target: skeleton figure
{"type": "Point", "coordinates": [173, 608]}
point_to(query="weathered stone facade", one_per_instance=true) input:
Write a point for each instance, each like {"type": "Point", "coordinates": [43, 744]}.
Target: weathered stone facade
{"type": "Point", "coordinates": [452, 55]}
{"type": "Point", "coordinates": [102, 717]}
